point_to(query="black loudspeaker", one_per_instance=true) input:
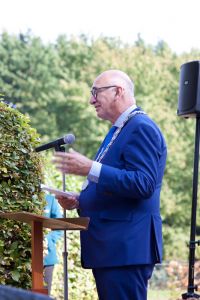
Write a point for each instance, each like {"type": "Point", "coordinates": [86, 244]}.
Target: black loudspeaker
{"type": "Point", "coordinates": [189, 90]}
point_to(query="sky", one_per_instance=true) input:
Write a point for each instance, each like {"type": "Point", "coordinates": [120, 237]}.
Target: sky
{"type": "Point", "coordinates": [177, 22]}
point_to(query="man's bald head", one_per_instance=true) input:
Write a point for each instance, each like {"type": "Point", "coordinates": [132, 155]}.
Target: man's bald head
{"type": "Point", "coordinates": [117, 77]}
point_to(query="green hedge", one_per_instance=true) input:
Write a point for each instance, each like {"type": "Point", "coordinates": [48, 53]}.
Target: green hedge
{"type": "Point", "coordinates": [20, 178]}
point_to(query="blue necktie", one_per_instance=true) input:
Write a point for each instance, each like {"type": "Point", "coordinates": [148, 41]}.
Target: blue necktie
{"type": "Point", "coordinates": [107, 140]}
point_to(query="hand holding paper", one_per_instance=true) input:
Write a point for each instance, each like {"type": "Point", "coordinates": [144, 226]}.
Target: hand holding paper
{"type": "Point", "coordinates": [68, 200]}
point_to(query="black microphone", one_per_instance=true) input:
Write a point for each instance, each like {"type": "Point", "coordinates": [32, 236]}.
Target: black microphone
{"type": "Point", "coordinates": [67, 139]}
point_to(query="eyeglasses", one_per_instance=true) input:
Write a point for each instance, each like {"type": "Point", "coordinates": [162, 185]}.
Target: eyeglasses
{"type": "Point", "coordinates": [94, 91]}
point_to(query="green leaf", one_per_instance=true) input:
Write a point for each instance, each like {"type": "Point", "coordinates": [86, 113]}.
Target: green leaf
{"type": "Point", "coordinates": [15, 275]}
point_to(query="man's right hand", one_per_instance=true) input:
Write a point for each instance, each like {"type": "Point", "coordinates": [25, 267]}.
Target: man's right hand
{"type": "Point", "coordinates": [69, 202]}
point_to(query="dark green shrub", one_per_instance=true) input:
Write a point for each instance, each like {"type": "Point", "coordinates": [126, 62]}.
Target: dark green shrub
{"type": "Point", "coordinates": [20, 178]}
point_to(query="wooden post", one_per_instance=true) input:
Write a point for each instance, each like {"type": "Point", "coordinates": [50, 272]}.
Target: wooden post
{"type": "Point", "coordinates": [37, 257]}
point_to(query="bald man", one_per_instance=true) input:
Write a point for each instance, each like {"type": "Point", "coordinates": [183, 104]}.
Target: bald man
{"type": "Point", "coordinates": [121, 194]}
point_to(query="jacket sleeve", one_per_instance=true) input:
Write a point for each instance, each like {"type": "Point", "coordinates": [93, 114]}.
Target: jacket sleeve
{"type": "Point", "coordinates": [141, 162]}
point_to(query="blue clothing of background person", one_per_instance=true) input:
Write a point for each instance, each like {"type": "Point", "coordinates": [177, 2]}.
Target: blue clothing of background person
{"type": "Point", "coordinates": [51, 210]}
{"type": "Point", "coordinates": [9, 293]}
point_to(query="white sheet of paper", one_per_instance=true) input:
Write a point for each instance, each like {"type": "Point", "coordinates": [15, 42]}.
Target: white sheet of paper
{"type": "Point", "coordinates": [56, 192]}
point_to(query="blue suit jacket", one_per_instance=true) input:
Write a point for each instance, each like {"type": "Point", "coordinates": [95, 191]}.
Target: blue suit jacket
{"type": "Point", "coordinates": [124, 206]}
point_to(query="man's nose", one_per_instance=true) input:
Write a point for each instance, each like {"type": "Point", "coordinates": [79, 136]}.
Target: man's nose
{"type": "Point", "coordinates": [92, 100]}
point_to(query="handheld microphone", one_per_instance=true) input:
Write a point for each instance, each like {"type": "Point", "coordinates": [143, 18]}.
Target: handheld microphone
{"type": "Point", "coordinates": [67, 139]}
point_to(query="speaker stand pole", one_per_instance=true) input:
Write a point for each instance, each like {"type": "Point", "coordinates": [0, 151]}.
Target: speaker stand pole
{"type": "Point", "coordinates": [65, 253]}
{"type": "Point", "coordinates": [192, 244]}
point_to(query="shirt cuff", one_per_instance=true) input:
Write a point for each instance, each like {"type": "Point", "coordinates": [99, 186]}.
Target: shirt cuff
{"type": "Point", "coordinates": [95, 172]}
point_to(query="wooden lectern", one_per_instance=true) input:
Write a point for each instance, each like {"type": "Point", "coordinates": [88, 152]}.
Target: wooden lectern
{"type": "Point", "coordinates": [37, 224]}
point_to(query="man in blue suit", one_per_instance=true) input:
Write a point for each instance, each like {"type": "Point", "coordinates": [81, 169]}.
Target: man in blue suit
{"type": "Point", "coordinates": [121, 194]}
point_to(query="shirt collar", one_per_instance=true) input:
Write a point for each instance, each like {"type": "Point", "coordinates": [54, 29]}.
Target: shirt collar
{"type": "Point", "coordinates": [124, 115]}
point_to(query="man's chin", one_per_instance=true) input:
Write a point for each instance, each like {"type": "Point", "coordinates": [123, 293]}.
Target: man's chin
{"type": "Point", "coordinates": [98, 114]}
{"type": "Point", "coordinates": [101, 116]}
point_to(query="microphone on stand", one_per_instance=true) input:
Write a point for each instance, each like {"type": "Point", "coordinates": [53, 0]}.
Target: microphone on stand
{"type": "Point", "coordinates": [58, 145]}
{"type": "Point", "coordinates": [67, 139]}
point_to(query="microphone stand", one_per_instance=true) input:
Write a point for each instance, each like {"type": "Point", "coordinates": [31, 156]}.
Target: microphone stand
{"type": "Point", "coordinates": [192, 244]}
{"type": "Point", "coordinates": [65, 253]}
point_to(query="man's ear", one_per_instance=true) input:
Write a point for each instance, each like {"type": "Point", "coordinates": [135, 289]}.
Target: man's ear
{"type": "Point", "coordinates": [118, 91]}
{"type": "Point", "coordinates": [116, 94]}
